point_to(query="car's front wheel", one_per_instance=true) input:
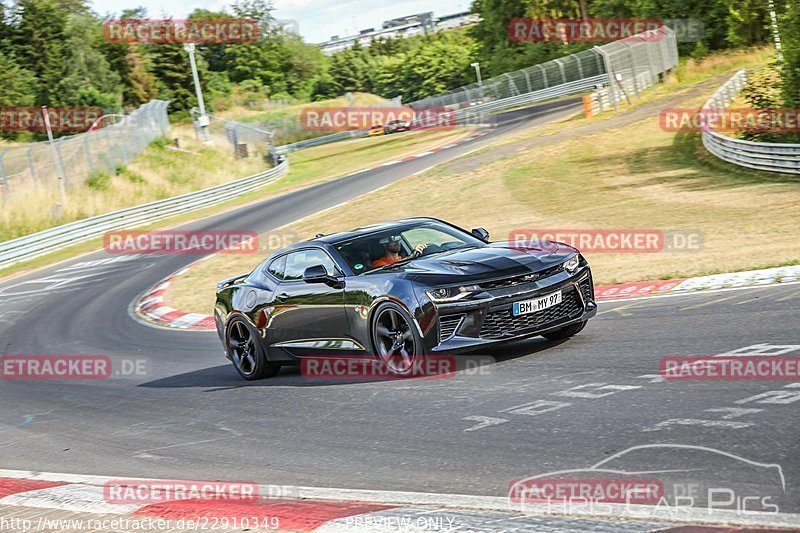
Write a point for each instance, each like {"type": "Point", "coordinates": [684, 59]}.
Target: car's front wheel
{"type": "Point", "coordinates": [566, 332]}
{"type": "Point", "coordinates": [395, 340]}
{"type": "Point", "coordinates": [247, 353]}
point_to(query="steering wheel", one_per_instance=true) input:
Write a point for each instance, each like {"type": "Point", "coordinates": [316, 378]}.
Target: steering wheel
{"type": "Point", "coordinates": [429, 248]}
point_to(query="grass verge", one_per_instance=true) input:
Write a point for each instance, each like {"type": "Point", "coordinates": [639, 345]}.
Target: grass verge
{"type": "Point", "coordinates": [631, 176]}
{"type": "Point", "coordinates": [308, 167]}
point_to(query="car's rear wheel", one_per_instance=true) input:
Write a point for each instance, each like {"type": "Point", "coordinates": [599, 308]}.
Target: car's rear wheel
{"type": "Point", "coordinates": [566, 332]}
{"type": "Point", "coordinates": [247, 353]}
{"type": "Point", "coordinates": [395, 340]}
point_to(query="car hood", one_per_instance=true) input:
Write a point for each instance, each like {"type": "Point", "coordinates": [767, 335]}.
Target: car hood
{"type": "Point", "coordinates": [496, 260]}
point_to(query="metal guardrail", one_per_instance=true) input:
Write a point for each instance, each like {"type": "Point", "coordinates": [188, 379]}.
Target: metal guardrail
{"type": "Point", "coordinates": [557, 91]}
{"type": "Point", "coordinates": [44, 242]}
{"type": "Point", "coordinates": [771, 157]}
{"type": "Point", "coordinates": [318, 141]}
{"type": "Point", "coordinates": [466, 114]}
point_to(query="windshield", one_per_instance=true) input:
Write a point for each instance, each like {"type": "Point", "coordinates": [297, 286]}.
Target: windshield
{"type": "Point", "coordinates": [390, 246]}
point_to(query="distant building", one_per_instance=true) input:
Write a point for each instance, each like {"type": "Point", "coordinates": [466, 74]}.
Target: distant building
{"type": "Point", "coordinates": [418, 24]}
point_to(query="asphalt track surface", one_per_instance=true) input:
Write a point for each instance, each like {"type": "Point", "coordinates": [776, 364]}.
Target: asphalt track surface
{"type": "Point", "coordinates": [538, 407]}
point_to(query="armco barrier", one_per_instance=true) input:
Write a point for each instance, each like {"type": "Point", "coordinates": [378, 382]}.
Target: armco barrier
{"type": "Point", "coordinates": [771, 157]}
{"type": "Point", "coordinates": [44, 242]}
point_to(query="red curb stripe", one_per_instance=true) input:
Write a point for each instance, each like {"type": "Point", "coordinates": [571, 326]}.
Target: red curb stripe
{"type": "Point", "coordinates": [172, 316]}
{"type": "Point", "coordinates": [638, 288]}
{"type": "Point", "coordinates": [10, 486]}
{"type": "Point", "coordinates": [290, 515]}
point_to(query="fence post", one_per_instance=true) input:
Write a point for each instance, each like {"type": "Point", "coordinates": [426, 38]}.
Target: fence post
{"type": "Point", "coordinates": [4, 176]}
{"type": "Point", "coordinates": [612, 93]}
{"type": "Point", "coordinates": [544, 76]}
{"type": "Point", "coordinates": [88, 152]}
{"type": "Point", "coordinates": [561, 67]}
{"type": "Point", "coordinates": [111, 164]}
{"type": "Point", "coordinates": [32, 167]}
{"type": "Point", "coordinates": [63, 169]}
{"type": "Point", "coordinates": [633, 69]}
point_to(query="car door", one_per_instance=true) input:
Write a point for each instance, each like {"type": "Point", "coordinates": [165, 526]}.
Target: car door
{"type": "Point", "coordinates": [309, 318]}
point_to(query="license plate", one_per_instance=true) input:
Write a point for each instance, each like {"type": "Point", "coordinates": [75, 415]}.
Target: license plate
{"type": "Point", "coordinates": [537, 304]}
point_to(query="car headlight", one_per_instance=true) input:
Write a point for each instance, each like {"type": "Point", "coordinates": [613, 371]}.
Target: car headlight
{"type": "Point", "coordinates": [452, 294]}
{"type": "Point", "coordinates": [571, 265]}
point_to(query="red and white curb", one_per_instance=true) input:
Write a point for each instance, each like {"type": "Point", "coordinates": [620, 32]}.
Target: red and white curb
{"type": "Point", "coordinates": [151, 306]}
{"type": "Point", "coordinates": [314, 509]}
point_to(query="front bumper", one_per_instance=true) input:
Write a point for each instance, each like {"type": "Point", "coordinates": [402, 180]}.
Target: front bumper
{"type": "Point", "coordinates": [472, 324]}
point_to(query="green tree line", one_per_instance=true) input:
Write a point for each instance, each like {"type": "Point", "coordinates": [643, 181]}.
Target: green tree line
{"type": "Point", "coordinates": [53, 52]}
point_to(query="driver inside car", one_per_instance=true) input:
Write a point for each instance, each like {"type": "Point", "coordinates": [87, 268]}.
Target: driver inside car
{"type": "Point", "coordinates": [392, 247]}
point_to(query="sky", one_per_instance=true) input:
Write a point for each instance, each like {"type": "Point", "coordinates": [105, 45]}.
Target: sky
{"type": "Point", "coordinates": [317, 20]}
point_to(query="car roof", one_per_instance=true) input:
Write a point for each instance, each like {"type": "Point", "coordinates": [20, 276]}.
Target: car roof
{"type": "Point", "coordinates": [335, 238]}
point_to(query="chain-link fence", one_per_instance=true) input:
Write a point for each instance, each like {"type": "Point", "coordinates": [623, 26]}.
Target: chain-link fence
{"type": "Point", "coordinates": [636, 61]}
{"type": "Point", "coordinates": [635, 64]}
{"type": "Point", "coordinates": [74, 159]}
{"type": "Point", "coordinates": [243, 140]}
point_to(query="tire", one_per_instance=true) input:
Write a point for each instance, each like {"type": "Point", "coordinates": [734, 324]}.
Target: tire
{"type": "Point", "coordinates": [566, 332]}
{"type": "Point", "coordinates": [395, 339]}
{"type": "Point", "coordinates": [247, 353]}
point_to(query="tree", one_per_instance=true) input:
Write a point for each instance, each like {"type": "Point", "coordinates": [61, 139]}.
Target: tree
{"type": "Point", "coordinates": [174, 75]}
{"type": "Point", "coordinates": [790, 72]}
{"type": "Point", "coordinates": [37, 42]}
{"type": "Point", "coordinates": [88, 79]}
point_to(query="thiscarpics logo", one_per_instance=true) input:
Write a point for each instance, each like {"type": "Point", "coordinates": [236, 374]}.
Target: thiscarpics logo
{"type": "Point", "coordinates": [166, 31]}
{"type": "Point", "coordinates": [180, 242]}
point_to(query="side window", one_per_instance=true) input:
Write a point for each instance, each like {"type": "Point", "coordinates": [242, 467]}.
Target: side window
{"type": "Point", "coordinates": [277, 267]}
{"type": "Point", "coordinates": [298, 262]}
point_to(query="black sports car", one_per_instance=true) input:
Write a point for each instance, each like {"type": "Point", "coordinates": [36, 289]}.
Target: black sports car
{"type": "Point", "coordinates": [399, 290]}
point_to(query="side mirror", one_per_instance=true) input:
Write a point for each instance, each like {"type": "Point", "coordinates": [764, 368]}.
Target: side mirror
{"type": "Point", "coordinates": [316, 274]}
{"type": "Point", "coordinates": [481, 233]}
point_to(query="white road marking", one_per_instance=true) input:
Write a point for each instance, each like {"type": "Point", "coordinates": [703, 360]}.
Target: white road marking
{"type": "Point", "coordinates": [536, 408]}
{"type": "Point", "coordinates": [483, 422]}
{"type": "Point", "coordinates": [666, 424]}
{"type": "Point", "coordinates": [733, 412]}
{"type": "Point", "coordinates": [577, 392]}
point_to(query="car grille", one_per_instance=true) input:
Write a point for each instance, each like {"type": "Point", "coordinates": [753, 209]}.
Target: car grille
{"type": "Point", "coordinates": [448, 325]}
{"type": "Point", "coordinates": [499, 323]}
{"type": "Point", "coordinates": [519, 280]}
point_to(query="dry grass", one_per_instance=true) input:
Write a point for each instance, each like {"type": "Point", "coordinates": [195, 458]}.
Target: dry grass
{"type": "Point", "coordinates": [636, 177]}
{"type": "Point", "coordinates": [157, 173]}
